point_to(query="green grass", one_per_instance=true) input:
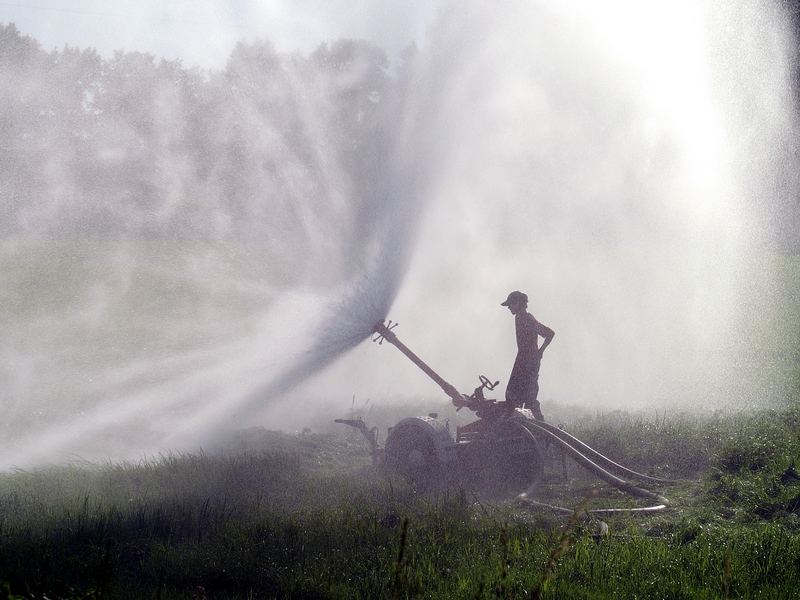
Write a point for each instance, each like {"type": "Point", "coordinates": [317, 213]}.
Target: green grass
{"type": "Point", "coordinates": [306, 516]}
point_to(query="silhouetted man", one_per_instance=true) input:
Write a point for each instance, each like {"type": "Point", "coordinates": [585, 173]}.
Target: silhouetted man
{"type": "Point", "coordinates": [523, 385]}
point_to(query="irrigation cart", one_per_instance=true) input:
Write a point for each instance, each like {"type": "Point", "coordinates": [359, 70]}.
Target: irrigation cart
{"type": "Point", "coordinates": [504, 450]}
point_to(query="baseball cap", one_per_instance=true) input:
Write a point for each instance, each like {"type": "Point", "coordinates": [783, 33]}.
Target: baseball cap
{"type": "Point", "coordinates": [515, 298]}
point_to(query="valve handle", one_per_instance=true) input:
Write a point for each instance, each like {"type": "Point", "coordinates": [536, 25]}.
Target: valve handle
{"type": "Point", "coordinates": [487, 383]}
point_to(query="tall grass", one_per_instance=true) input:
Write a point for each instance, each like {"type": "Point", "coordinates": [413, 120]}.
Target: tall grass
{"type": "Point", "coordinates": [292, 516]}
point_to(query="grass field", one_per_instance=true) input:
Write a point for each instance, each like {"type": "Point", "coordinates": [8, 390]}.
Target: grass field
{"type": "Point", "coordinates": [277, 515]}
{"type": "Point", "coordinates": [307, 516]}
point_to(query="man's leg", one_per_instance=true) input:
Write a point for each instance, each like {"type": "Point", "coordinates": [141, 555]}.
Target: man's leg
{"type": "Point", "coordinates": [533, 402]}
{"type": "Point", "coordinates": [516, 392]}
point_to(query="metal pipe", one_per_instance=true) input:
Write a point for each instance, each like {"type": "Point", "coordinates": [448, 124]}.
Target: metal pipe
{"type": "Point", "coordinates": [391, 337]}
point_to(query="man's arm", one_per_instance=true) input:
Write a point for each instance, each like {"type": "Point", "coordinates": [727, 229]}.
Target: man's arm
{"type": "Point", "coordinates": [548, 335]}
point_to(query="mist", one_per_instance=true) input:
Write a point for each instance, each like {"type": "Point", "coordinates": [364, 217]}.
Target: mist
{"type": "Point", "coordinates": [187, 251]}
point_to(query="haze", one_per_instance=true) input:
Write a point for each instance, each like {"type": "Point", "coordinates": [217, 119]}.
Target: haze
{"type": "Point", "coordinates": [207, 244]}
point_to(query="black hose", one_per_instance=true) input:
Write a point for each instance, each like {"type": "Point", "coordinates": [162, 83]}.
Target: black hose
{"type": "Point", "coordinates": [593, 467]}
{"type": "Point", "coordinates": [597, 457]}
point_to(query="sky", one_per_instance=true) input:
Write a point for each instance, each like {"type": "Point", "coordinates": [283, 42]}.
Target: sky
{"type": "Point", "coordinates": [203, 32]}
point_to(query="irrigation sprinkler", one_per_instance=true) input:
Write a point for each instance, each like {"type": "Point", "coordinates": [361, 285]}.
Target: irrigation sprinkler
{"type": "Point", "coordinates": [502, 450]}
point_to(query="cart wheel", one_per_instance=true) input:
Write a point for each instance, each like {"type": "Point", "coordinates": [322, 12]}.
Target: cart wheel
{"type": "Point", "coordinates": [514, 457]}
{"type": "Point", "coordinates": [410, 453]}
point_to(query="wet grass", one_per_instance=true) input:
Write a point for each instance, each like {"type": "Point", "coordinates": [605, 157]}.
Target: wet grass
{"type": "Point", "coordinates": [306, 516]}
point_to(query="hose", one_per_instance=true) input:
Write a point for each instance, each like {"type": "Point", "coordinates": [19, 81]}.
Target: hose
{"type": "Point", "coordinates": [625, 486]}
{"type": "Point", "coordinates": [606, 462]}
{"type": "Point", "coordinates": [526, 501]}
